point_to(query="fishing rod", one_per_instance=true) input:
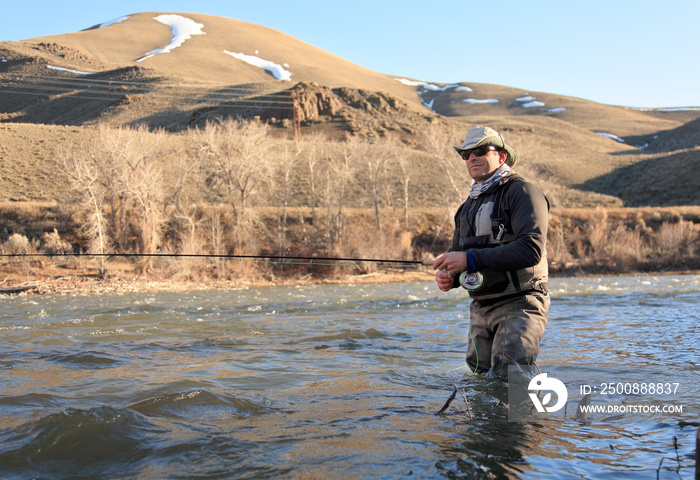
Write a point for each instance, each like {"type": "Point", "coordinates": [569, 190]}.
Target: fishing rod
{"type": "Point", "coordinates": [280, 258]}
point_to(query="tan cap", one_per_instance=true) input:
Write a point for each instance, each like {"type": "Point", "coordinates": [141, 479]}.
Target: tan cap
{"type": "Point", "coordinates": [480, 136]}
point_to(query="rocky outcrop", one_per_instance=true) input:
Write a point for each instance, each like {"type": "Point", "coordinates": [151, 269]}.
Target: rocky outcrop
{"type": "Point", "coordinates": [354, 111]}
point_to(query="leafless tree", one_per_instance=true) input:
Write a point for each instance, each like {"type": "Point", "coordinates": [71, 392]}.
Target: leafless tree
{"type": "Point", "coordinates": [144, 188]}
{"type": "Point", "coordinates": [374, 161]}
{"type": "Point", "coordinates": [403, 160]}
{"type": "Point", "coordinates": [118, 173]}
{"type": "Point", "coordinates": [238, 168]}
{"type": "Point", "coordinates": [344, 168]}
{"type": "Point", "coordinates": [181, 207]}
{"type": "Point", "coordinates": [79, 166]}
{"type": "Point", "coordinates": [285, 163]}
{"type": "Point", "coordinates": [313, 146]}
{"type": "Point", "coordinates": [437, 141]}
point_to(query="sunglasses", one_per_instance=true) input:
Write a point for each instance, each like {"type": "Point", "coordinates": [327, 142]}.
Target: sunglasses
{"type": "Point", "coordinates": [479, 152]}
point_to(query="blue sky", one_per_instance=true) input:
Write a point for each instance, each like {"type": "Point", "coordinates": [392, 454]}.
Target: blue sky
{"type": "Point", "coordinates": [636, 53]}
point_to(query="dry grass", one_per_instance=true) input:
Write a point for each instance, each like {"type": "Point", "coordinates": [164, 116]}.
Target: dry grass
{"type": "Point", "coordinates": [624, 239]}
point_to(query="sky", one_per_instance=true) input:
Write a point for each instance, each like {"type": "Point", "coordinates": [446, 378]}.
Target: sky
{"type": "Point", "coordinates": [636, 53]}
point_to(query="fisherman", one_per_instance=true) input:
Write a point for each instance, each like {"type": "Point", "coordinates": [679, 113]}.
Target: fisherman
{"type": "Point", "coordinates": [498, 255]}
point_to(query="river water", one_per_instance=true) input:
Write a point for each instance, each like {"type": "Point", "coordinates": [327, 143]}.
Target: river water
{"type": "Point", "coordinates": [329, 381]}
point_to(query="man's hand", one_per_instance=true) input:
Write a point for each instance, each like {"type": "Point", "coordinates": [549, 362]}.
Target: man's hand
{"type": "Point", "coordinates": [449, 265]}
{"type": "Point", "coordinates": [445, 280]}
{"type": "Point", "coordinates": [453, 262]}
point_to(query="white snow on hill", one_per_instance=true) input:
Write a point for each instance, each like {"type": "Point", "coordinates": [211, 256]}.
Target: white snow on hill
{"type": "Point", "coordinates": [611, 136]}
{"type": "Point", "coordinates": [61, 69]}
{"type": "Point", "coordinates": [277, 71]}
{"type": "Point", "coordinates": [528, 101]}
{"type": "Point", "coordinates": [432, 87]}
{"type": "Point", "coordinates": [480, 100]}
{"type": "Point", "coordinates": [425, 88]}
{"type": "Point", "coordinates": [183, 28]}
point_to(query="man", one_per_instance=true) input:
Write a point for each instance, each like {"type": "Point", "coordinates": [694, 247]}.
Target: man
{"type": "Point", "coordinates": [498, 254]}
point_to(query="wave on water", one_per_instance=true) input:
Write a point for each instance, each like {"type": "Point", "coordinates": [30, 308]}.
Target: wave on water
{"type": "Point", "coordinates": [87, 359]}
{"type": "Point", "coordinates": [200, 404]}
{"type": "Point", "coordinates": [80, 443]}
{"type": "Point", "coordinates": [114, 442]}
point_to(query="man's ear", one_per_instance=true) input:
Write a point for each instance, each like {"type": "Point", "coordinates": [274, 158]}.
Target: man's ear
{"type": "Point", "coordinates": [502, 157]}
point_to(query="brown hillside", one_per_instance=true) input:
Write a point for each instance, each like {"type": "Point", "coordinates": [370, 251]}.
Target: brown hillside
{"type": "Point", "coordinates": [512, 102]}
{"type": "Point", "coordinates": [201, 58]}
{"type": "Point", "coordinates": [639, 184]}
{"type": "Point", "coordinates": [559, 139]}
{"type": "Point", "coordinates": [682, 137]}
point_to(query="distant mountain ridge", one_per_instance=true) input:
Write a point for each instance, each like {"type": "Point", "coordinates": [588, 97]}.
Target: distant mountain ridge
{"type": "Point", "coordinates": [177, 70]}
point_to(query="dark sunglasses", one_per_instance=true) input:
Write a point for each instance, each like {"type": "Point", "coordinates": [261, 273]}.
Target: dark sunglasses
{"type": "Point", "coordinates": [479, 152]}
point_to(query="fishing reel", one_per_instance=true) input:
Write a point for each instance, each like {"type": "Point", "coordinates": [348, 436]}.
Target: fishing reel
{"type": "Point", "coordinates": [471, 281]}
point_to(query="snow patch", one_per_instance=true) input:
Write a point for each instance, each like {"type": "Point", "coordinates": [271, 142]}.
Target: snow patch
{"type": "Point", "coordinates": [432, 87]}
{"type": "Point", "coordinates": [112, 22]}
{"type": "Point", "coordinates": [529, 102]}
{"type": "Point", "coordinates": [277, 71]}
{"type": "Point", "coordinates": [410, 83]}
{"type": "Point", "coordinates": [558, 109]}
{"type": "Point", "coordinates": [428, 88]}
{"type": "Point", "coordinates": [61, 69]}
{"type": "Point", "coordinates": [668, 109]}
{"type": "Point", "coordinates": [610, 135]}
{"type": "Point", "coordinates": [428, 104]}
{"type": "Point", "coordinates": [478, 100]}
{"type": "Point", "coordinates": [182, 28]}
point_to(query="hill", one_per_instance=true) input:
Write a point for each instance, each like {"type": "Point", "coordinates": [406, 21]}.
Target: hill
{"type": "Point", "coordinates": [176, 71]}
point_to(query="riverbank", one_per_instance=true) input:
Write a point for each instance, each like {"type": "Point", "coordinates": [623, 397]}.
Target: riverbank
{"type": "Point", "coordinates": [51, 280]}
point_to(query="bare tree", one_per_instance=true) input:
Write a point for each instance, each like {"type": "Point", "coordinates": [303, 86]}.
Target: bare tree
{"type": "Point", "coordinates": [344, 169]}
{"type": "Point", "coordinates": [403, 161]}
{"type": "Point", "coordinates": [238, 168]}
{"type": "Point", "coordinates": [285, 163]}
{"type": "Point", "coordinates": [373, 160]}
{"type": "Point", "coordinates": [118, 170]}
{"type": "Point", "coordinates": [314, 149]}
{"type": "Point", "coordinates": [437, 141]}
{"type": "Point", "coordinates": [84, 177]}
{"type": "Point", "coordinates": [144, 188]}
{"type": "Point", "coordinates": [181, 207]}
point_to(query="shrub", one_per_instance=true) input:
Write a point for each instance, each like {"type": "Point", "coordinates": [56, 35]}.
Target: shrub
{"type": "Point", "coordinates": [53, 244]}
{"type": "Point", "coordinates": [676, 241]}
{"type": "Point", "coordinates": [17, 244]}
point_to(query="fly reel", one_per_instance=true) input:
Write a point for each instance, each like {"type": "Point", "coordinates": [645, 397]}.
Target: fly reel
{"type": "Point", "coordinates": [471, 281]}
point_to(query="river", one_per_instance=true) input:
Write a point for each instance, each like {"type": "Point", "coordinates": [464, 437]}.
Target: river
{"type": "Point", "coordinates": [332, 381]}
